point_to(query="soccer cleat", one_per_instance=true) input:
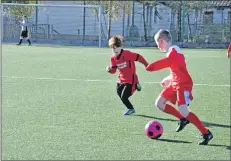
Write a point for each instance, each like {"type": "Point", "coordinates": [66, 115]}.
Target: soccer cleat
{"type": "Point", "coordinates": [129, 112]}
{"type": "Point", "coordinates": [183, 122]}
{"type": "Point", "coordinates": [138, 87]}
{"type": "Point", "coordinates": [205, 138]}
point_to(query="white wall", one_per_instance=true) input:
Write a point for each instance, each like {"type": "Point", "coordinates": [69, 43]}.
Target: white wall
{"type": "Point", "coordinates": [67, 20]}
{"type": "Point", "coordinates": [70, 20]}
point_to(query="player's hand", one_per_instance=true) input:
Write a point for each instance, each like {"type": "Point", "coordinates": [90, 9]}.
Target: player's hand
{"type": "Point", "coordinates": [108, 68]}
{"type": "Point", "coordinates": [166, 82]}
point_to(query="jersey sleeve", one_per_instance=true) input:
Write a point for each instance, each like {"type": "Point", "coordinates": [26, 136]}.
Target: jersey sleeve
{"type": "Point", "coordinates": [136, 57]}
{"type": "Point", "coordinates": [162, 63]}
{"type": "Point", "coordinates": [159, 64]}
{"type": "Point", "coordinates": [113, 66]}
{"type": "Point", "coordinates": [131, 56]}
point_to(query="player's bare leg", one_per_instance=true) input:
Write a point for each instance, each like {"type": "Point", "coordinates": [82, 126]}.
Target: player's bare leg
{"type": "Point", "coordinates": [163, 106]}
{"type": "Point", "coordinates": [205, 133]}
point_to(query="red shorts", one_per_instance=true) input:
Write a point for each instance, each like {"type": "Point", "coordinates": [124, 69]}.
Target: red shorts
{"type": "Point", "coordinates": [180, 96]}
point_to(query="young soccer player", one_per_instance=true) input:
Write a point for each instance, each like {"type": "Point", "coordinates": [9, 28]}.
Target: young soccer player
{"type": "Point", "coordinates": [229, 50]}
{"type": "Point", "coordinates": [177, 87]}
{"type": "Point", "coordinates": [24, 31]}
{"type": "Point", "coordinates": [124, 61]}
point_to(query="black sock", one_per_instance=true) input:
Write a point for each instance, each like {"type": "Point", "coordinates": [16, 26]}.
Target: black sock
{"type": "Point", "coordinates": [29, 41]}
{"type": "Point", "coordinates": [20, 41]}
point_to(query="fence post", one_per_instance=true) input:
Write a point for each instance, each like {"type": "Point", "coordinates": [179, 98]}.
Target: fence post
{"type": "Point", "coordinates": [183, 21]}
{"type": "Point", "coordinates": [36, 21]}
{"type": "Point", "coordinates": [84, 21]}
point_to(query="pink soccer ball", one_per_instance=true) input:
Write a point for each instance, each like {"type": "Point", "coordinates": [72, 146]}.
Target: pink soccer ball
{"type": "Point", "coordinates": [154, 129]}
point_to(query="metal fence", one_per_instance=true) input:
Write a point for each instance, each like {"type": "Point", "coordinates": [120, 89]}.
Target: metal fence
{"type": "Point", "coordinates": [137, 28]}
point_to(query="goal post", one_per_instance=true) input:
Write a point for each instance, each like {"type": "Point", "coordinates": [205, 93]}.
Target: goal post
{"type": "Point", "coordinates": [53, 23]}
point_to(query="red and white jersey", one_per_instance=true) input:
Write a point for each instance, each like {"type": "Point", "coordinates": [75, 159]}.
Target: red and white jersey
{"type": "Point", "coordinates": [175, 60]}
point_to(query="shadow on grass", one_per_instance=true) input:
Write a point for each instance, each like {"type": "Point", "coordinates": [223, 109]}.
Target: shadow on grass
{"type": "Point", "coordinates": [207, 124]}
{"type": "Point", "coordinates": [173, 141]}
{"type": "Point", "coordinates": [170, 140]}
{"type": "Point", "coordinates": [179, 141]}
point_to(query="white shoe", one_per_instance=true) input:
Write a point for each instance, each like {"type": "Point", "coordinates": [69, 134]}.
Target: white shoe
{"type": "Point", "coordinates": [129, 112]}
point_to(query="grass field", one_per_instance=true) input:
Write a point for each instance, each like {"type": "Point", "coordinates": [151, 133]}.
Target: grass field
{"type": "Point", "coordinates": [60, 103]}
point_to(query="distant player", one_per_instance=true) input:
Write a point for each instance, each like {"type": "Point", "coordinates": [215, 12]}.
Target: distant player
{"type": "Point", "coordinates": [229, 50]}
{"type": "Point", "coordinates": [177, 87]}
{"type": "Point", "coordinates": [124, 61]}
{"type": "Point", "coordinates": [24, 31]}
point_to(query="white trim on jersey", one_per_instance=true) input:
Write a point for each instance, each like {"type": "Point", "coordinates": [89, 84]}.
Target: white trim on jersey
{"type": "Point", "coordinates": [177, 48]}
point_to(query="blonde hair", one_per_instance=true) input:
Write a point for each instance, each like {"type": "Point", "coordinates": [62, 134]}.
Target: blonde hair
{"type": "Point", "coordinates": [163, 34]}
{"type": "Point", "coordinates": [115, 41]}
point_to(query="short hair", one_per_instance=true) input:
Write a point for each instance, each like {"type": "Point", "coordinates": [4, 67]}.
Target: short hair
{"type": "Point", "coordinates": [163, 34]}
{"type": "Point", "coordinates": [115, 41]}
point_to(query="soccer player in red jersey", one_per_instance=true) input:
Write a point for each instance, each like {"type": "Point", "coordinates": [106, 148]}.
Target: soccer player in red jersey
{"type": "Point", "coordinates": [179, 89]}
{"type": "Point", "coordinates": [124, 61]}
{"type": "Point", "coordinates": [229, 50]}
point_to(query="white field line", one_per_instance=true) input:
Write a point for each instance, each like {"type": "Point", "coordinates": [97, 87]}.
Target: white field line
{"type": "Point", "coordinates": [101, 80]}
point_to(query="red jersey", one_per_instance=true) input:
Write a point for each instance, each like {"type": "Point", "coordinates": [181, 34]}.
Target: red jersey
{"type": "Point", "coordinates": [175, 60]}
{"type": "Point", "coordinates": [125, 63]}
{"type": "Point", "coordinates": [229, 50]}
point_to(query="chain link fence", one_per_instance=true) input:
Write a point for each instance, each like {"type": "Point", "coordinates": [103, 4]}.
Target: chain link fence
{"type": "Point", "coordinates": [137, 29]}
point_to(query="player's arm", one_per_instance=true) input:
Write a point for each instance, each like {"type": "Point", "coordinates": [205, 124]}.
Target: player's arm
{"type": "Point", "coordinates": [229, 51]}
{"type": "Point", "coordinates": [112, 68]}
{"type": "Point", "coordinates": [136, 57]}
{"type": "Point", "coordinates": [159, 64]}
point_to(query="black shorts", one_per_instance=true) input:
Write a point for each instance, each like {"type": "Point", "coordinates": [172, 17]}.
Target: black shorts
{"type": "Point", "coordinates": [24, 34]}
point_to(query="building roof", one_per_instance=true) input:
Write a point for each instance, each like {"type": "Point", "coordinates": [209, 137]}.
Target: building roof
{"type": "Point", "coordinates": [217, 3]}
{"type": "Point", "coordinates": [221, 3]}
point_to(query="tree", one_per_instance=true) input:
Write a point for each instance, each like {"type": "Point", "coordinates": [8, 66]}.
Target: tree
{"type": "Point", "coordinates": [19, 11]}
{"type": "Point", "coordinates": [112, 9]}
{"type": "Point", "coordinates": [178, 7]}
{"type": "Point", "coordinates": [146, 5]}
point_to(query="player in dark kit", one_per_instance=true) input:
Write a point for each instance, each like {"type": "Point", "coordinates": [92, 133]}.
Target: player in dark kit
{"type": "Point", "coordinates": [24, 31]}
{"type": "Point", "coordinates": [124, 61]}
